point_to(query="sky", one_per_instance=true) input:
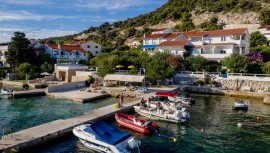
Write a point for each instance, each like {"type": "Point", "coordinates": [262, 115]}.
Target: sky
{"type": "Point", "coordinates": [50, 18]}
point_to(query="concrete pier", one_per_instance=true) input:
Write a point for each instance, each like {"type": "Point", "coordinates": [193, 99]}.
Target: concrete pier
{"type": "Point", "coordinates": [78, 96]}
{"type": "Point", "coordinates": [53, 130]}
{"type": "Point", "coordinates": [27, 93]}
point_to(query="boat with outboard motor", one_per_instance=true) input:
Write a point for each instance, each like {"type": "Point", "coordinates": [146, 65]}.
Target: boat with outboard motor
{"type": "Point", "coordinates": [240, 105]}
{"type": "Point", "coordinates": [177, 99]}
{"type": "Point", "coordinates": [6, 91]}
{"type": "Point", "coordinates": [102, 137]}
{"type": "Point", "coordinates": [178, 115]}
{"type": "Point", "coordinates": [136, 123]}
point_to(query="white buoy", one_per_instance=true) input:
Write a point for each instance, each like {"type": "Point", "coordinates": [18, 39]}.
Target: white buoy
{"type": "Point", "coordinates": [239, 125]}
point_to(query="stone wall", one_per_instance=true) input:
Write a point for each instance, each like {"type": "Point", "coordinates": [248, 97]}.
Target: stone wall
{"type": "Point", "coordinates": [237, 84]}
{"type": "Point", "coordinates": [65, 87]}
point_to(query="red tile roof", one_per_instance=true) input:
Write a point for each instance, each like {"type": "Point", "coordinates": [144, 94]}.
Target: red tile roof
{"type": "Point", "coordinates": [173, 35]}
{"type": "Point", "coordinates": [174, 43]}
{"type": "Point", "coordinates": [219, 44]}
{"type": "Point", "coordinates": [68, 48]}
{"type": "Point", "coordinates": [264, 27]}
{"type": "Point", "coordinates": [213, 33]}
{"type": "Point", "coordinates": [157, 36]}
{"type": "Point", "coordinates": [157, 30]}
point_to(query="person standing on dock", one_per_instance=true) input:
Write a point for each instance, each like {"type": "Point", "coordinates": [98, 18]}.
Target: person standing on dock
{"type": "Point", "coordinates": [121, 100]}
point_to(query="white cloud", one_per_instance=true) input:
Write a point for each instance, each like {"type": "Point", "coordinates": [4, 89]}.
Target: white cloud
{"type": "Point", "coordinates": [23, 2]}
{"type": "Point", "coordinates": [37, 33]}
{"type": "Point", "coordinates": [111, 4]}
{"type": "Point", "coordinates": [24, 15]}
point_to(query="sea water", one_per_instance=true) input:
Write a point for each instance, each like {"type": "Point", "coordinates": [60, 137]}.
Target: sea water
{"type": "Point", "coordinates": [220, 133]}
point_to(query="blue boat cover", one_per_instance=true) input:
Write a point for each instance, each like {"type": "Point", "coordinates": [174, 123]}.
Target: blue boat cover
{"type": "Point", "coordinates": [106, 133]}
{"type": "Point", "coordinates": [149, 46]}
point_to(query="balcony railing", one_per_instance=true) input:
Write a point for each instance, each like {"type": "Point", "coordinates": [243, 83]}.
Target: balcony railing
{"type": "Point", "coordinates": [60, 56]}
{"type": "Point", "coordinates": [215, 56]}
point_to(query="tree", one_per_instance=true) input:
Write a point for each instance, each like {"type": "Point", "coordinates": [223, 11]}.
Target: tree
{"type": "Point", "coordinates": [20, 51]}
{"type": "Point", "coordinates": [158, 68]}
{"type": "Point", "coordinates": [186, 22]}
{"type": "Point", "coordinates": [25, 71]}
{"type": "Point", "coordinates": [212, 66]}
{"type": "Point", "coordinates": [257, 39]}
{"type": "Point", "coordinates": [236, 63]}
{"type": "Point", "coordinates": [266, 68]}
{"type": "Point", "coordinates": [175, 62]}
{"type": "Point", "coordinates": [212, 24]}
{"type": "Point", "coordinates": [46, 67]}
{"type": "Point", "coordinates": [196, 63]}
{"type": "Point", "coordinates": [264, 16]}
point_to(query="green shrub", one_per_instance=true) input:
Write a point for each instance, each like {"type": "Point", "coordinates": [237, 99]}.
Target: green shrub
{"type": "Point", "coordinates": [200, 82]}
{"type": "Point", "coordinates": [213, 83]}
{"type": "Point", "coordinates": [89, 81]}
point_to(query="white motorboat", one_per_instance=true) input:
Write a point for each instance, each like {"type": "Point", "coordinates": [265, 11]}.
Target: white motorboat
{"type": "Point", "coordinates": [102, 137]}
{"type": "Point", "coordinates": [174, 98]}
{"type": "Point", "coordinates": [177, 116]}
{"type": "Point", "coordinates": [241, 105]}
{"type": "Point", "coordinates": [6, 91]}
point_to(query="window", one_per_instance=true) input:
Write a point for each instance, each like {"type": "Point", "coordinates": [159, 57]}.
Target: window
{"type": "Point", "coordinates": [96, 46]}
{"type": "Point", "coordinates": [223, 38]}
{"type": "Point", "coordinates": [77, 53]}
{"type": "Point", "coordinates": [96, 52]}
{"type": "Point", "coordinates": [84, 54]}
{"type": "Point", "coordinates": [70, 53]}
{"type": "Point", "coordinates": [88, 46]}
{"type": "Point", "coordinates": [62, 53]}
{"type": "Point", "coordinates": [222, 51]}
{"type": "Point", "coordinates": [55, 52]}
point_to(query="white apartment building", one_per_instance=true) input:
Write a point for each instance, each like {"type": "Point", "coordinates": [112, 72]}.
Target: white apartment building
{"type": "Point", "coordinates": [89, 46]}
{"type": "Point", "coordinates": [3, 53]}
{"type": "Point", "coordinates": [265, 30]}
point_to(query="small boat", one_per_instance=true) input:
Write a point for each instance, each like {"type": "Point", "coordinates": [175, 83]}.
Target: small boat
{"type": "Point", "coordinates": [6, 91]}
{"type": "Point", "coordinates": [241, 105]}
{"type": "Point", "coordinates": [177, 99]}
{"type": "Point", "coordinates": [137, 124]}
{"type": "Point", "coordinates": [176, 116]}
{"type": "Point", "coordinates": [102, 137]}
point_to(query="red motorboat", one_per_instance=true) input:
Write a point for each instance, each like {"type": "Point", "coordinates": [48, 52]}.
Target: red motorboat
{"type": "Point", "coordinates": [140, 125]}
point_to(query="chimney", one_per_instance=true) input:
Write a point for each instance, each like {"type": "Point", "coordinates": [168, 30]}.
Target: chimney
{"type": "Point", "coordinates": [59, 47]}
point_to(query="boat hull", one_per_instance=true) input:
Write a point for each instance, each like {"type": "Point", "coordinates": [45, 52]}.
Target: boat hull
{"type": "Point", "coordinates": [127, 121]}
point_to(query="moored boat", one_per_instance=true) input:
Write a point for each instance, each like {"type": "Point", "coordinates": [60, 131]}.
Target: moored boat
{"type": "Point", "coordinates": [241, 105]}
{"type": "Point", "coordinates": [176, 116]}
{"type": "Point", "coordinates": [135, 123]}
{"type": "Point", "coordinates": [6, 91]}
{"type": "Point", "coordinates": [102, 137]}
{"type": "Point", "coordinates": [177, 99]}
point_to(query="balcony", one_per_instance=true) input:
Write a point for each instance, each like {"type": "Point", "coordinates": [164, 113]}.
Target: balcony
{"type": "Point", "coordinates": [60, 56]}
{"type": "Point", "coordinates": [3, 58]}
{"type": "Point", "coordinates": [214, 56]}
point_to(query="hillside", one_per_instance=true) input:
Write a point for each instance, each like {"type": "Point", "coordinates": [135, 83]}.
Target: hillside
{"type": "Point", "coordinates": [113, 36]}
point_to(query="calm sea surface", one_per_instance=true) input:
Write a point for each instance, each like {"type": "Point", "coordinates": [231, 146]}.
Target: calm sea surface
{"type": "Point", "coordinates": [212, 113]}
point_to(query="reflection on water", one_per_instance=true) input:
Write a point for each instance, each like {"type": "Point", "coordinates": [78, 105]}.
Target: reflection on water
{"type": "Point", "coordinates": [215, 115]}
{"type": "Point", "coordinates": [24, 113]}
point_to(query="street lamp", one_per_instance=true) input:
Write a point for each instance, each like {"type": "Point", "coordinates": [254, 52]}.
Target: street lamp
{"type": "Point", "coordinates": [143, 78]}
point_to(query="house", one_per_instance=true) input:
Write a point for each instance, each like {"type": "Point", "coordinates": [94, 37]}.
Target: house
{"type": "Point", "coordinates": [162, 31]}
{"type": "Point", "coordinates": [265, 30]}
{"type": "Point", "coordinates": [3, 53]}
{"type": "Point", "coordinates": [66, 53]}
{"type": "Point", "coordinates": [213, 45]}
{"type": "Point", "coordinates": [37, 46]}
{"type": "Point", "coordinates": [178, 47]}
{"type": "Point", "coordinates": [89, 46]}
{"type": "Point", "coordinates": [218, 44]}
{"type": "Point", "coordinates": [151, 41]}
{"type": "Point", "coordinates": [134, 42]}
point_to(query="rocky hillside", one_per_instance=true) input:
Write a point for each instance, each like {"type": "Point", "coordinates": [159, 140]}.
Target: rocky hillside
{"type": "Point", "coordinates": [170, 14]}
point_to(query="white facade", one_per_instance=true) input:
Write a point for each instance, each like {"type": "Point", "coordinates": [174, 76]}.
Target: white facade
{"type": "Point", "coordinates": [175, 50]}
{"type": "Point", "coordinates": [62, 55]}
{"type": "Point", "coordinates": [92, 47]}
{"type": "Point", "coordinates": [265, 30]}
{"type": "Point", "coordinates": [3, 52]}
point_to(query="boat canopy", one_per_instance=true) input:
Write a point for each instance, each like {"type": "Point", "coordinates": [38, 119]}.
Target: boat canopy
{"type": "Point", "coordinates": [106, 133]}
{"type": "Point", "coordinates": [171, 94]}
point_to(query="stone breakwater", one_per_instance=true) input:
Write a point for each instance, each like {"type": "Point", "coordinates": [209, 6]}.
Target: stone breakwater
{"type": "Point", "coordinates": [254, 86]}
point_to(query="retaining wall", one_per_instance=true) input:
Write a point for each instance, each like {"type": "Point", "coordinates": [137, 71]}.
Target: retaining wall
{"type": "Point", "coordinates": [65, 86]}
{"type": "Point", "coordinates": [237, 84]}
